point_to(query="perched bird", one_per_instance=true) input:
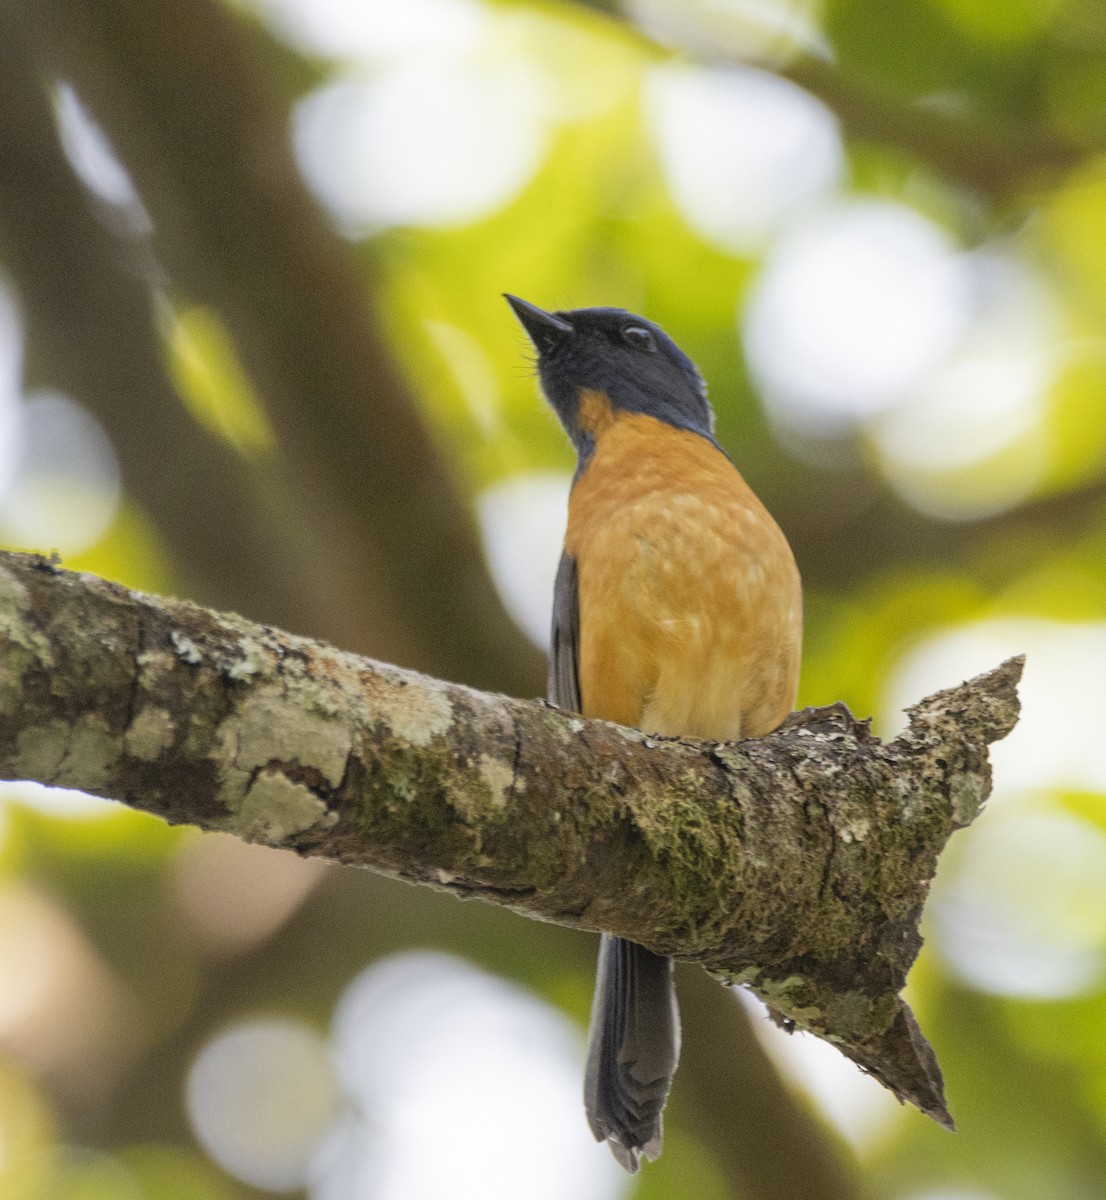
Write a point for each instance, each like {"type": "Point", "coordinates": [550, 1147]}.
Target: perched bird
{"type": "Point", "coordinates": [677, 609]}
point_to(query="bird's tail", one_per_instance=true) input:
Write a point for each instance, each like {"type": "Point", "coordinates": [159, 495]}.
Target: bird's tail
{"type": "Point", "coordinates": [633, 1048]}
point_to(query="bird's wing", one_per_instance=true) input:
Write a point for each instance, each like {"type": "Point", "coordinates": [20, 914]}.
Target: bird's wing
{"type": "Point", "coordinates": [564, 655]}
{"type": "Point", "coordinates": [634, 1039]}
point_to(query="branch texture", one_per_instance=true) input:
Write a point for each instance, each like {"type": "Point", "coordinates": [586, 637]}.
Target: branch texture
{"type": "Point", "coordinates": [797, 864]}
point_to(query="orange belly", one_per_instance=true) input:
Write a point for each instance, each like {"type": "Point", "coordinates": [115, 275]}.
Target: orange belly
{"type": "Point", "coordinates": [690, 600]}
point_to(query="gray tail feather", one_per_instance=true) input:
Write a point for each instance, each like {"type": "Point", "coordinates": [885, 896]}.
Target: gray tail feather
{"type": "Point", "coordinates": [633, 1048]}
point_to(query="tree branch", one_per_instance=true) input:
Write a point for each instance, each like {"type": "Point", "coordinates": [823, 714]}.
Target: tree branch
{"type": "Point", "coordinates": [797, 864]}
{"type": "Point", "coordinates": [996, 159]}
{"type": "Point", "coordinates": [191, 115]}
{"type": "Point", "coordinates": [85, 298]}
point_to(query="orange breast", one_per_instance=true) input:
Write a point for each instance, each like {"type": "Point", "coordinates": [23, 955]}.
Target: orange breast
{"type": "Point", "coordinates": [690, 600]}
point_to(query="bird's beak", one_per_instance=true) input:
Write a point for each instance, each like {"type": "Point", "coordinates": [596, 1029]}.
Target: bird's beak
{"type": "Point", "coordinates": [545, 330]}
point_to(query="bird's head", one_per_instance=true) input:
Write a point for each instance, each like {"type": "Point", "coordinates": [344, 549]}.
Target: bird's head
{"type": "Point", "coordinates": [597, 362]}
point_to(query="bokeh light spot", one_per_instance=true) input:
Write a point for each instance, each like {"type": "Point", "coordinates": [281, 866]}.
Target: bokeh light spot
{"type": "Point", "coordinates": [860, 1109]}
{"type": "Point", "coordinates": [1057, 742]}
{"type": "Point", "coordinates": [742, 151]}
{"type": "Point", "coordinates": [522, 520]}
{"type": "Point", "coordinates": [953, 1194]}
{"type": "Point", "coordinates": [93, 159]}
{"type": "Point", "coordinates": [260, 1098]}
{"type": "Point", "coordinates": [852, 308]}
{"type": "Point", "coordinates": [67, 484]}
{"type": "Point", "coordinates": [67, 803]}
{"type": "Point", "coordinates": [461, 1084]}
{"type": "Point", "coordinates": [968, 440]}
{"type": "Point", "coordinates": [432, 144]}
{"type": "Point", "coordinates": [63, 1012]}
{"type": "Point", "coordinates": [375, 29]}
{"type": "Point", "coordinates": [235, 894]}
{"type": "Point", "coordinates": [1020, 907]}
{"type": "Point", "coordinates": [11, 407]}
{"type": "Point", "coordinates": [770, 32]}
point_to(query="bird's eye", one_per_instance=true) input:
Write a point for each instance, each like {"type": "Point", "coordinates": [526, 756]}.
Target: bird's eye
{"type": "Point", "coordinates": [640, 338]}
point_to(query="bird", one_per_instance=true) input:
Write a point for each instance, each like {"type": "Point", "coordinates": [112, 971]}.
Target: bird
{"type": "Point", "coordinates": [677, 610]}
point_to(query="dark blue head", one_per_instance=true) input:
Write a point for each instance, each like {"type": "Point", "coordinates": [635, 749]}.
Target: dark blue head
{"type": "Point", "coordinates": [608, 352]}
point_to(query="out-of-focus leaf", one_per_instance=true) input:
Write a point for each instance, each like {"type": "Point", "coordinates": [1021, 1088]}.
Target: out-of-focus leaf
{"type": "Point", "coordinates": [1007, 24]}
{"type": "Point", "coordinates": [110, 874]}
{"type": "Point", "coordinates": [1075, 419]}
{"type": "Point", "coordinates": [26, 1134]}
{"type": "Point", "coordinates": [1073, 221]}
{"type": "Point", "coordinates": [881, 43]}
{"type": "Point", "coordinates": [131, 554]}
{"type": "Point", "coordinates": [684, 1169]}
{"type": "Point", "coordinates": [164, 1171]}
{"type": "Point", "coordinates": [854, 642]}
{"type": "Point", "coordinates": [209, 377]}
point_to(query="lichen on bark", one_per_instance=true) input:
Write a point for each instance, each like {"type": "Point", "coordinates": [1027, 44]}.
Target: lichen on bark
{"type": "Point", "coordinates": [796, 864]}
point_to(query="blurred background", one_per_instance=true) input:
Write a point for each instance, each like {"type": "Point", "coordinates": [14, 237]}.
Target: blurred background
{"type": "Point", "coordinates": [253, 352]}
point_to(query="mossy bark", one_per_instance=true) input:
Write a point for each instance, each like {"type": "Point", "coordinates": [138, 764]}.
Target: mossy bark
{"type": "Point", "coordinates": [797, 864]}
